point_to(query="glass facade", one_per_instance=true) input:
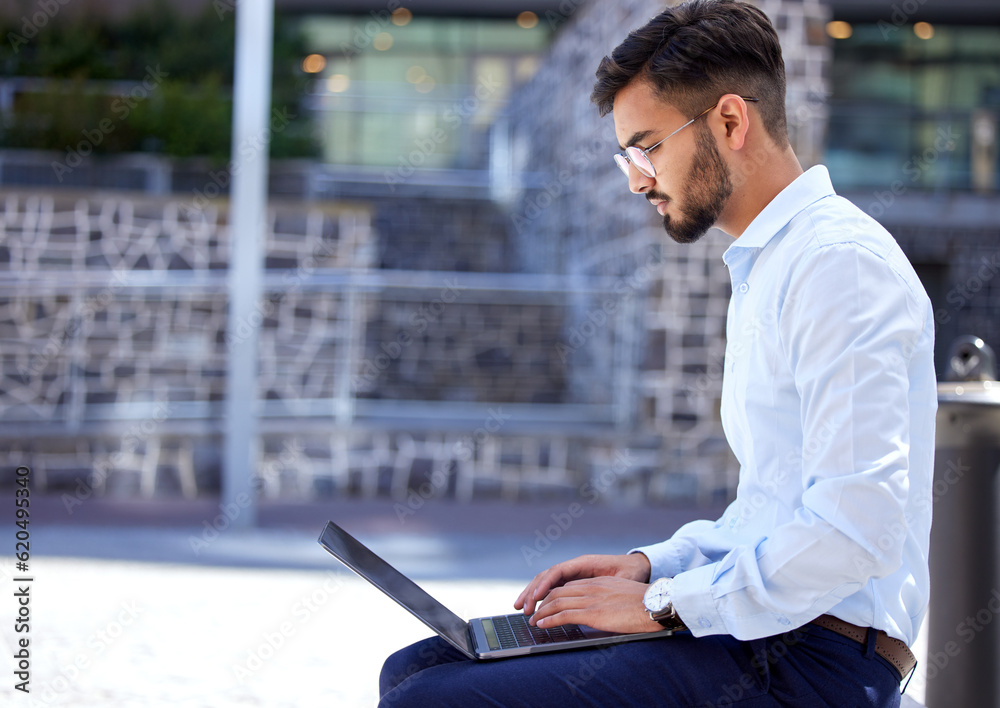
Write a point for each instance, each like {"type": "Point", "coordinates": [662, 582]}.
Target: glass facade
{"type": "Point", "coordinates": [914, 106]}
{"type": "Point", "coordinates": [409, 92]}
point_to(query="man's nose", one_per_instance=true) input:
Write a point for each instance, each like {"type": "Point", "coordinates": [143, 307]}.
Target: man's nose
{"type": "Point", "coordinates": [638, 183]}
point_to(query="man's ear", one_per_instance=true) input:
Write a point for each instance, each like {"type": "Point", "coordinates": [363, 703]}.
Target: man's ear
{"type": "Point", "coordinates": [735, 116]}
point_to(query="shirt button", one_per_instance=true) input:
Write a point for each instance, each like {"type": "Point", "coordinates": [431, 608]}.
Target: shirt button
{"type": "Point", "coordinates": [744, 288]}
{"type": "Point", "coordinates": [784, 620]}
{"type": "Point", "coordinates": [704, 623]}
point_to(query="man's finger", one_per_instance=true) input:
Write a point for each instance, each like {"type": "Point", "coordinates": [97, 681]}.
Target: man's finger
{"type": "Point", "coordinates": [525, 597]}
{"type": "Point", "coordinates": [525, 600]}
{"type": "Point", "coordinates": [538, 588]}
{"type": "Point", "coordinates": [572, 593]}
{"type": "Point", "coordinates": [552, 606]}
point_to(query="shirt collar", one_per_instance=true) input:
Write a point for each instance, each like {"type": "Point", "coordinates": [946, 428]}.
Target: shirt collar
{"type": "Point", "coordinates": [811, 186]}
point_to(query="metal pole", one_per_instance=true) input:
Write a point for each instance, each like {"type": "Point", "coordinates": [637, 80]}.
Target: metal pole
{"type": "Point", "coordinates": [247, 222]}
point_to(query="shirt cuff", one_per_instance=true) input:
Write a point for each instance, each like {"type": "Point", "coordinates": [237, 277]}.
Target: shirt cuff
{"type": "Point", "coordinates": [691, 595]}
{"type": "Point", "coordinates": [664, 561]}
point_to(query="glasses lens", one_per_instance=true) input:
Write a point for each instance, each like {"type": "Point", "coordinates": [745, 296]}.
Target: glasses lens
{"type": "Point", "coordinates": [640, 161]}
{"type": "Point", "coordinates": [622, 163]}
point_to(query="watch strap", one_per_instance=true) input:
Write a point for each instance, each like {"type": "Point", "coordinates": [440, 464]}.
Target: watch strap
{"type": "Point", "coordinates": [669, 620]}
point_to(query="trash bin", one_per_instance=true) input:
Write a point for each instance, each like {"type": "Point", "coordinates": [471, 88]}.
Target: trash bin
{"type": "Point", "coordinates": [963, 647]}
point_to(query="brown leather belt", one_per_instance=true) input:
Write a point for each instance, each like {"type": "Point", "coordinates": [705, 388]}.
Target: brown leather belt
{"type": "Point", "coordinates": [892, 650]}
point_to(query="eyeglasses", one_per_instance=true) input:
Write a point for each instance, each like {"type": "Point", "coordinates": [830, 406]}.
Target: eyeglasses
{"type": "Point", "coordinates": [640, 157]}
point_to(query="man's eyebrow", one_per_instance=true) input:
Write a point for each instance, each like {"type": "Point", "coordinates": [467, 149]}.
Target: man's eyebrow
{"type": "Point", "coordinates": [636, 137]}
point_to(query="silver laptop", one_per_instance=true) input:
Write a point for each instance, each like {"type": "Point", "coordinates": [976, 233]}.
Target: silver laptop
{"type": "Point", "coordinates": [481, 638]}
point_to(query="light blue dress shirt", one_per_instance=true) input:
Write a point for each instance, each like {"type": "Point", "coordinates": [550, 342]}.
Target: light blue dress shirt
{"type": "Point", "coordinates": [828, 402]}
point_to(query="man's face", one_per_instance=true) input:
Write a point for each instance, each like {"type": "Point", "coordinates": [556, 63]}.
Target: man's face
{"type": "Point", "coordinates": [692, 184]}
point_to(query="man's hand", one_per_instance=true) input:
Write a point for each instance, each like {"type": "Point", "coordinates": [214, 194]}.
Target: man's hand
{"type": "Point", "coordinates": [634, 567]}
{"type": "Point", "coordinates": [607, 603]}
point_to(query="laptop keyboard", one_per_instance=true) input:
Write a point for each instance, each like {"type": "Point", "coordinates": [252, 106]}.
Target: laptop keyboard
{"type": "Point", "coordinates": [514, 631]}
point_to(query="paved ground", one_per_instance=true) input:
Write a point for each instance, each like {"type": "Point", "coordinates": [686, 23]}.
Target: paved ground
{"type": "Point", "coordinates": [159, 605]}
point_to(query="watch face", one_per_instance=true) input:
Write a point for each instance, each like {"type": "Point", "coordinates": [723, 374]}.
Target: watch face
{"type": "Point", "coordinates": [657, 595]}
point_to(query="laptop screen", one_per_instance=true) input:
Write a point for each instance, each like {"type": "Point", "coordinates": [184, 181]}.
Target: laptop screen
{"type": "Point", "coordinates": [362, 561]}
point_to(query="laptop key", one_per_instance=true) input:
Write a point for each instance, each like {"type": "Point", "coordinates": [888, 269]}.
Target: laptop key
{"type": "Point", "coordinates": [504, 632]}
{"type": "Point", "coordinates": [515, 631]}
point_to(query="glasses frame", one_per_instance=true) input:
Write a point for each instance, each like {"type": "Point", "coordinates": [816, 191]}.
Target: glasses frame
{"type": "Point", "coordinates": [633, 153]}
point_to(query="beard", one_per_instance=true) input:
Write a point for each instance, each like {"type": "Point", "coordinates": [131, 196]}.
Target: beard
{"type": "Point", "coordinates": [709, 188]}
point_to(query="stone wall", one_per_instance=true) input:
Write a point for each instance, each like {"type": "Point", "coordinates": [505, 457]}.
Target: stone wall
{"type": "Point", "coordinates": [113, 369]}
{"type": "Point", "coordinates": [465, 351]}
{"type": "Point", "coordinates": [119, 301]}
{"type": "Point", "coordinates": [442, 234]}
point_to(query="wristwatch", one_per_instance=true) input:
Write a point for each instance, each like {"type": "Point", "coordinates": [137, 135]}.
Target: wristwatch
{"type": "Point", "coordinates": [659, 606]}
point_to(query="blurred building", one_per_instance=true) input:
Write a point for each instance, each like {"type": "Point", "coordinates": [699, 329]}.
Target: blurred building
{"type": "Point", "coordinates": [912, 140]}
{"type": "Point", "coordinates": [462, 299]}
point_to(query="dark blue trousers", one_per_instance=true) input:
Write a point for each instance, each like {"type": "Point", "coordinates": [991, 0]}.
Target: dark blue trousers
{"type": "Point", "coordinates": [811, 667]}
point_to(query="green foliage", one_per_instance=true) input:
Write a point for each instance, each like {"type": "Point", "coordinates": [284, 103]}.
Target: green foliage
{"type": "Point", "coordinates": [51, 118]}
{"type": "Point", "coordinates": [80, 74]}
{"type": "Point", "coordinates": [185, 120]}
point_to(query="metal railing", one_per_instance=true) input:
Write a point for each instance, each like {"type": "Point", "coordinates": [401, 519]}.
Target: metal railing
{"type": "Point", "coordinates": [354, 333]}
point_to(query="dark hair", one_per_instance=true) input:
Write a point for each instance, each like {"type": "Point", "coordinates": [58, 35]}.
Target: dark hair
{"type": "Point", "coordinates": [698, 51]}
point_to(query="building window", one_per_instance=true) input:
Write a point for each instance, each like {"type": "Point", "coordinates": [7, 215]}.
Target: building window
{"type": "Point", "coordinates": [421, 94]}
{"type": "Point", "coordinates": [915, 105]}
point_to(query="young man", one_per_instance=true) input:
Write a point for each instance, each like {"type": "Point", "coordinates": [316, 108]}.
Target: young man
{"type": "Point", "coordinates": [808, 589]}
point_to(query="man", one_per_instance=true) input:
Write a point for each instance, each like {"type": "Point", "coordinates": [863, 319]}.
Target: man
{"type": "Point", "coordinates": [808, 589]}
